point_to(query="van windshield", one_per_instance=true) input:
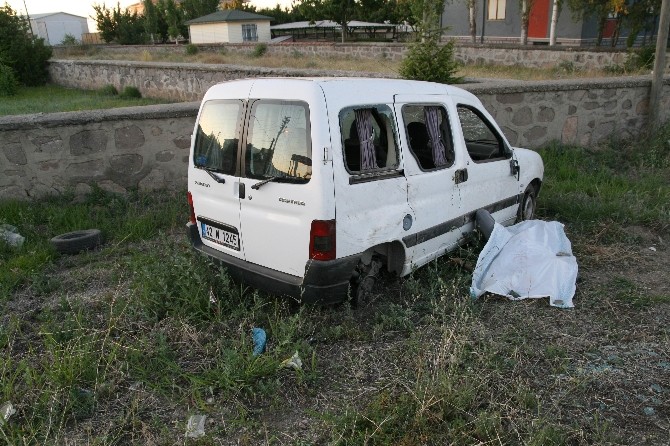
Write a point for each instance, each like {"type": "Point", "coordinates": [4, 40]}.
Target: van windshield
{"type": "Point", "coordinates": [216, 140]}
{"type": "Point", "coordinates": [278, 142]}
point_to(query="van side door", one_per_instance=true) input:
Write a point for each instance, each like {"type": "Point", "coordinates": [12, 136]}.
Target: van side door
{"type": "Point", "coordinates": [491, 181]}
{"type": "Point", "coordinates": [432, 162]}
{"type": "Point", "coordinates": [370, 185]}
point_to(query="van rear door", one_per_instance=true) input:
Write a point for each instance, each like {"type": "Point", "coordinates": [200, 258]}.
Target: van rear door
{"type": "Point", "coordinates": [283, 173]}
{"type": "Point", "coordinates": [214, 174]}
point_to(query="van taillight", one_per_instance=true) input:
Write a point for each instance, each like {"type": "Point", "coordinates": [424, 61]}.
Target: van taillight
{"type": "Point", "coordinates": [322, 240]}
{"type": "Point", "coordinates": [190, 208]}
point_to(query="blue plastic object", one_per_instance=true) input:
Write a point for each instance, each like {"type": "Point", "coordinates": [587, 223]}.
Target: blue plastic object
{"type": "Point", "coordinates": [259, 337]}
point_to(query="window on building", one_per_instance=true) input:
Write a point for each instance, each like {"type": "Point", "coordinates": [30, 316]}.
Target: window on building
{"type": "Point", "coordinates": [497, 9]}
{"type": "Point", "coordinates": [249, 33]}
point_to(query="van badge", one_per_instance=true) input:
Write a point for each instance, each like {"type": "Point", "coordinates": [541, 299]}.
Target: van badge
{"type": "Point", "coordinates": [287, 201]}
{"type": "Point", "coordinates": [202, 184]}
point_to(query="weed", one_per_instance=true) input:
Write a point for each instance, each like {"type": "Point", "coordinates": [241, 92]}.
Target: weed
{"type": "Point", "coordinates": [130, 92]}
{"type": "Point", "coordinates": [191, 49]}
{"type": "Point", "coordinates": [259, 50]}
{"type": "Point", "coordinates": [108, 90]}
{"type": "Point", "coordinates": [8, 83]}
{"type": "Point", "coordinates": [146, 56]}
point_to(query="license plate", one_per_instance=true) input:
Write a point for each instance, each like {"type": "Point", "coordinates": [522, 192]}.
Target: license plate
{"type": "Point", "coordinates": [221, 236]}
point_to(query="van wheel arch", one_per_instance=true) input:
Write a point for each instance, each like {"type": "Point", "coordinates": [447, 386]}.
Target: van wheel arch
{"type": "Point", "coordinates": [390, 256]}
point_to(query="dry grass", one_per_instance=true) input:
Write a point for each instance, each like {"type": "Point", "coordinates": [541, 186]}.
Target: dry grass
{"type": "Point", "coordinates": [379, 65]}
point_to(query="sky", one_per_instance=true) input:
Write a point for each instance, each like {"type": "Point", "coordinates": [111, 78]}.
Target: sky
{"type": "Point", "coordinates": [84, 8]}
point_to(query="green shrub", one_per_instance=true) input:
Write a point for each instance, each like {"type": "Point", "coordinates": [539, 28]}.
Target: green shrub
{"type": "Point", "coordinates": [69, 40]}
{"type": "Point", "coordinates": [641, 59]}
{"type": "Point", "coordinates": [8, 84]}
{"type": "Point", "coordinates": [108, 90]}
{"type": "Point", "coordinates": [430, 61]}
{"type": "Point", "coordinates": [25, 54]}
{"type": "Point", "coordinates": [259, 50]}
{"type": "Point", "coordinates": [130, 92]}
{"type": "Point", "coordinates": [191, 49]}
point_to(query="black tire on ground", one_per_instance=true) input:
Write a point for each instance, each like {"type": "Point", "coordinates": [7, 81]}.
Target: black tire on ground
{"type": "Point", "coordinates": [528, 204]}
{"type": "Point", "coordinates": [77, 241]}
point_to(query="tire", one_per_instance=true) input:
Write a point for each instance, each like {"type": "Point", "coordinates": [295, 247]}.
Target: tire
{"type": "Point", "coordinates": [77, 241]}
{"type": "Point", "coordinates": [528, 205]}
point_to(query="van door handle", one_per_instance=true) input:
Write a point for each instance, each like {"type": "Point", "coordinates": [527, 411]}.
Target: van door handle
{"type": "Point", "coordinates": [242, 191]}
{"type": "Point", "coordinates": [461, 176]}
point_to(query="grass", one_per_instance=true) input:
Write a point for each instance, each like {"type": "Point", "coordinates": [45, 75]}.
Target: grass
{"type": "Point", "coordinates": [259, 58]}
{"type": "Point", "coordinates": [61, 99]}
{"type": "Point", "coordinates": [121, 345]}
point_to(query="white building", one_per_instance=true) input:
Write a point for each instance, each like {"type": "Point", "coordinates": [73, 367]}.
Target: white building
{"type": "Point", "coordinates": [230, 26]}
{"type": "Point", "coordinates": [54, 26]}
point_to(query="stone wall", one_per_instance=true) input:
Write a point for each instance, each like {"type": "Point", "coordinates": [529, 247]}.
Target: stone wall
{"type": "Point", "coordinates": [147, 147]}
{"type": "Point", "coordinates": [138, 147]}
{"type": "Point", "coordinates": [174, 81]}
{"type": "Point", "coordinates": [583, 112]}
{"type": "Point", "coordinates": [528, 56]}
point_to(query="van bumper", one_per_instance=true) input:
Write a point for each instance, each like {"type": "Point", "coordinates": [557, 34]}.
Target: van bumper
{"type": "Point", "coordinates": [324, 281]}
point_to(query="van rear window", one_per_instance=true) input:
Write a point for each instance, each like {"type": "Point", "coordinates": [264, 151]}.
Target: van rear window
{"type": "Point", "coordinates": [216, 140]}
{"type": "Point", "coordinates": [278, 143]}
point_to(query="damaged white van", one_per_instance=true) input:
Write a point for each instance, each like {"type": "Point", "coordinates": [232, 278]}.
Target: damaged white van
{"type": "Point", "coordinates": [308, 186]}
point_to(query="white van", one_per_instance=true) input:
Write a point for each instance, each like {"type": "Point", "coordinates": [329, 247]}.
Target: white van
{"type": "Point", "coordinates": [306, 186]}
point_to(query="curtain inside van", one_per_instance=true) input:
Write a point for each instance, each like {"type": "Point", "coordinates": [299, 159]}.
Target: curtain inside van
{"type": "Point", "coordinates": [364, 128]}
{"type": "Point", "coordinates": [432, 115]}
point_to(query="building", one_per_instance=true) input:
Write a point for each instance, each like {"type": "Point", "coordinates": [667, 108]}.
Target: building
{"type": "Point", "coordinates": [54, 26]}
{"type": "Point", "coordinates": [230, 26]}
{"type": "Point", "coordinates": [499, 21]}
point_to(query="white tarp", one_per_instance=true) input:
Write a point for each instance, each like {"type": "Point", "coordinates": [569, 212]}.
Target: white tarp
{"type": "Point", "coordinates": [531, 259]}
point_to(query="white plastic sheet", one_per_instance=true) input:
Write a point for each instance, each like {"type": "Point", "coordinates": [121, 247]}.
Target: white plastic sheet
{"type": "Point", "coordinates": [531, 259]}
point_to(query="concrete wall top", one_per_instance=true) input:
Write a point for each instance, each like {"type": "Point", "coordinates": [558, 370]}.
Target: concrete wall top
{"type": "Point", "coordinates": [50, 120]}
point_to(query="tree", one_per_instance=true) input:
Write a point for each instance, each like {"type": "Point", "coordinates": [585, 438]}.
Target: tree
{"type": "Point", "coordinates": [472, 19]}
{"type": "Point", "coordinates": [526, 6]}
{"type": "Point", "coordinates": [154, 22]}
{"type": "Point", "coordinates": [600, 9]}
{"type": "Point", "coordinates": [26, 55]}
{"type": "Point", "coordinates": [428, 59]}
{"type": "Point", "coordinates": [193, 9]}
{"type": "Point", "coordinates": [119, 26]}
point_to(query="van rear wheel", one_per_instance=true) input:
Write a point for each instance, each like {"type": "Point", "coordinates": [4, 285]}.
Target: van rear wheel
{"type": "Point", "coordinates": [363, 280]}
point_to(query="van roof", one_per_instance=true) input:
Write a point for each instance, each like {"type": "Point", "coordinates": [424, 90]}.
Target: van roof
{"type": "Point", "coordinates": [346, 89]}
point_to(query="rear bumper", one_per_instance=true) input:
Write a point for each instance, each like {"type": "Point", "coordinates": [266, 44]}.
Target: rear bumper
{"type": "Point", "coordinates": [324, 281]}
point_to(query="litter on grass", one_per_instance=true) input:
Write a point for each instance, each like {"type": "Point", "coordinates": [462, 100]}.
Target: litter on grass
{"type": "Point", "coordinates": [195, 427]}
{"type": "Point", "coordinates": [10, 234]}
{"type": "Point", "coordinates": [259, 337]}
{"type": "Point", "coordinates": [6, 411]}
{"type": "Point", "coordinates": [294, 362]}
{"type": "Point", "coordinates": [531, 259]}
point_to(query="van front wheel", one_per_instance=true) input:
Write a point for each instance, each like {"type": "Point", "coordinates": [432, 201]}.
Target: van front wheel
{"type": "Point", "coordinates": [528, 204]}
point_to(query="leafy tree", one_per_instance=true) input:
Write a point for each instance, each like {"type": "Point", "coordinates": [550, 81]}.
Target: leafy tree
{"type": "Point", "coordinates": [281, 15]}
{"type": "Point", "coordinates": [600, 9]}
{"type": "Point", "coordinates": [119, 26]}
{"type": "Point", "coordinates": [154, 22]}
{"type": "Point", "coordinates": [197, 8]}
{"type": "Point", "coordinates": [174, 17]}
{"type": "Point", "coordinates": [428, 59]}
{"type": "Point", "coordinates": [25, 54]}
{"type": "Point", "coordinates": [641, 16]}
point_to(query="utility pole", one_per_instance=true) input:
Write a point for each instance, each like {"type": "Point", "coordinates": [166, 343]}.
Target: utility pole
{"type": "Point", "coordinates": [28, 18]}
{"type": "Point", "coordinates": [659, 66]}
